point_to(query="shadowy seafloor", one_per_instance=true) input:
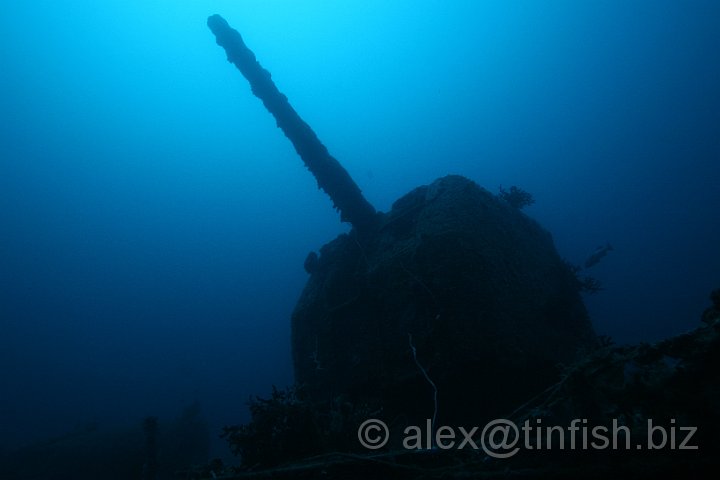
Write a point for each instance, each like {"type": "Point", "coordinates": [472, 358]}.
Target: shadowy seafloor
{"type": "Point", "coordinates": [155, 448]}
{"type": "Point", "coordinates": [663, 399]}
{"type": "Point", "coordinates": [674, 384]}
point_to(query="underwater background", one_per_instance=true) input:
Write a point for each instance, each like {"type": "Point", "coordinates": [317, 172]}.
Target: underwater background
{"type": "Point", "coordinates": [154, 221]}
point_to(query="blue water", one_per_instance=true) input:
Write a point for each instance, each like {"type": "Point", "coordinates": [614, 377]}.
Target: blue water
{"type": "Point", "coordinates": [154, 221]}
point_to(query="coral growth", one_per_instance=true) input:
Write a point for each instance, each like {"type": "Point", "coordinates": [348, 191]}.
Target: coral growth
{"type": "Point", "coordinates": [584, 283]}
{"type": "Point", "coordinates": [287, 426]}
{"type": "Point", "coordinates": [516, 197]}
{"type": "Point", "coordinates": [712, 314]}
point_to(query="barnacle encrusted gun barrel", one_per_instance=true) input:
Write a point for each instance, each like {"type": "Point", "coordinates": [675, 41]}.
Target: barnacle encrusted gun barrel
{"type": "Point", "coordinates": [332, 178]}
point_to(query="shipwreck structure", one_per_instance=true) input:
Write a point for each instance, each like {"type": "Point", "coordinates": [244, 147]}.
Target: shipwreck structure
{"type": "Point", "coordinates": [454, 306]}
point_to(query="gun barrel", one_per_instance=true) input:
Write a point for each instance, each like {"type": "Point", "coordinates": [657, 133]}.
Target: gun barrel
{"type": "Point", "coordinates": [330, 175]}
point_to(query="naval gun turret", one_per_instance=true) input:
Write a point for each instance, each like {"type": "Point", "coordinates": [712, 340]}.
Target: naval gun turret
{"type": "Point", "coordinates": [453, 306]}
